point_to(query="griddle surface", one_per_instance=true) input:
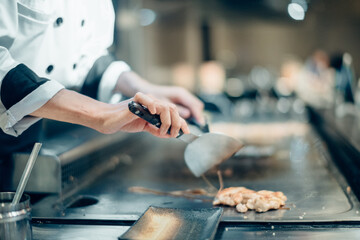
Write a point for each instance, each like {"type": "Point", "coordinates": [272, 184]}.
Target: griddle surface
{"type": "Point", "coordinates": [300, 168]}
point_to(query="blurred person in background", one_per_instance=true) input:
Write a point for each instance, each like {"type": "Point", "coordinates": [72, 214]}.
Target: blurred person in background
{"type": "Point", "coordinates": [344, 77]}
{"type": "Point", "coordinates": [287, 82]}
{"type": "Point", "coordinates": [212, 78]}
{"type": "Point", "coordinates": [315, 83]}
{"type": "Point", "coordinates": [48, 48]}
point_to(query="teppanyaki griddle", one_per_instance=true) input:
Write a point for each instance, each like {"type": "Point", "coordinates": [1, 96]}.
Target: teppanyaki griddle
{"type": "Point", "coordinates": [300, 167]}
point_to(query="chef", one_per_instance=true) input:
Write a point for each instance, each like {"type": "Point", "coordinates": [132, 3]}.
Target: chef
{"type": "Point", "coordinates": [50, 48]}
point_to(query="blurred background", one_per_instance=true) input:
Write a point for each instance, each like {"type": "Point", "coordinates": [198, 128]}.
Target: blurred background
{"type": "Point", "coordinates": [280, 76]}
{"type": "Point", "coordinates": [246, 49]}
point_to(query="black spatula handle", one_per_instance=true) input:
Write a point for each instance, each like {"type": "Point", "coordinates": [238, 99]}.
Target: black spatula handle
{"type": "Point", "coordinates": [142, 112]}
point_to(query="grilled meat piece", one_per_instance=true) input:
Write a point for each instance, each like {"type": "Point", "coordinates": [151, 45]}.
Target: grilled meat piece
{"type": "Point", "coordinates": [245, 199]}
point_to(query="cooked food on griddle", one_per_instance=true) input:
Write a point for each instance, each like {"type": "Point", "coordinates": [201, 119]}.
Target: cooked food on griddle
{"type": "Point", "coordinates": [244, 199]}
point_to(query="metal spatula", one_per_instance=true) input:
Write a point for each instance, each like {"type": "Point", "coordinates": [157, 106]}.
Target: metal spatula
{"type": "Point", "coordinates": [202, 152]}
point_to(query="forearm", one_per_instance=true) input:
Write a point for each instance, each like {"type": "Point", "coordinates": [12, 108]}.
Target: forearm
{"type": "Point", "coordinates": [72, 107]}
{"type": "Point", "coordinates": [129, 83]}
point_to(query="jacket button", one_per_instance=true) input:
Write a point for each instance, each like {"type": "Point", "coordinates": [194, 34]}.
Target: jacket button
{"type": "Point", "coordinates": [82, 22]}
{"type": "Point", "coordinates": [59, 21]}
{"type": "Point", "coordinates": [49, 69]}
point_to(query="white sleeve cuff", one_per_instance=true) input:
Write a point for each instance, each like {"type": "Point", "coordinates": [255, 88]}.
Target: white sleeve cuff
{"type": "Point", "coordinates": [109, 80]}
{"type": "Point", "coordinates": [6, 62]}
{"type": "Point", "coordinates": [15, 120]}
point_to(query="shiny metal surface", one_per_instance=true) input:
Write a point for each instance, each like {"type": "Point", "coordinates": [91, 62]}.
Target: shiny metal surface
{"type": "Point", "coordinates": [300, 167]}
{"type": "Point", "coordinates": [15, 218]}
{"type": "Point", "coordinates": [175, 223]}
{"type": "Point", "coordinates": [26, 174]}
{"type": "Point", "coordinates": [68, 160]}
{"type": "Point", "coordinates": [188, 138]}
{"type": "Point", "coordinates": [224, 232]}
{"type": "Point", "coordinates": [288, 232]}
{"type": "Point", "coordinates": [209, 150]}
{"type": "Point", "coordinates": [340, 136]}
{"type": "Point", "coordinates": [348, 125]}
{"type": "Point", "coordinates": [76, 231]}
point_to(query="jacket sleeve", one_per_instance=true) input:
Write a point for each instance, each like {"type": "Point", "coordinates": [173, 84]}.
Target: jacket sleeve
{"type": "Point", "coordinates": [102, 78]}
{"type": "Point", "coordinates": [109, 80]}
{"type": "Point", "coordinates": [21, 90]}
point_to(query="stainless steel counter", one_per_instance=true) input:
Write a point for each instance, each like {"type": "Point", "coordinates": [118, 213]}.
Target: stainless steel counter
{"type": "Point", "coordinates": [341, 135]}
{"type": "Point", "coordinates": [300, 168]}
{"type": "Point", "coordinates": [74, 231]}
{"type": "Point", "coordinates": [243, 231]}
{"type": "Point", "coordinates": [288, 232]}
{"type": "Point", "coordinates": [348, 125]}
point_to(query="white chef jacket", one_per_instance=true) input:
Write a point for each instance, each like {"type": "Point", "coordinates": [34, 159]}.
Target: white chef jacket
{"type": "Point", "coordinates": [46, 45]}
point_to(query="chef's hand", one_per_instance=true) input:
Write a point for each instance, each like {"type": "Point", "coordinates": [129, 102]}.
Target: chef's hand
{"type": "Point", "coordinates": [188, 105]}
{"type": "Point", "coordinates": [128, 122]}
{"type": "Point", "coordinates": [72, 107]}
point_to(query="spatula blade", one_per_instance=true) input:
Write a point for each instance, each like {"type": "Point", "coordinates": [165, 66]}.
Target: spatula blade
{"type": "Point", "coordinates": [208, 150]}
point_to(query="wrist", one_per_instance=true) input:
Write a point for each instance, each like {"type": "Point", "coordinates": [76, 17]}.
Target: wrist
{"type": "Point", "coordinates": [101, 117]}
{"type": "Point", "coordinates": [111, 118]}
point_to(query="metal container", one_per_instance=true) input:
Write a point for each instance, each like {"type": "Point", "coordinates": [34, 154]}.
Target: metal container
{"type": "Point", "coordinates": [15, 220]}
